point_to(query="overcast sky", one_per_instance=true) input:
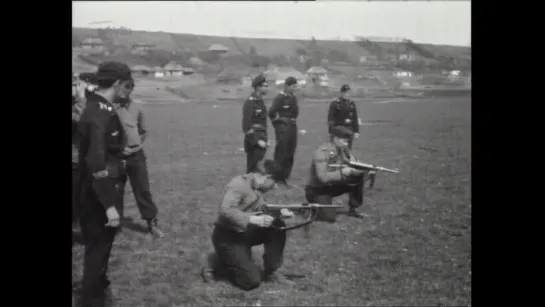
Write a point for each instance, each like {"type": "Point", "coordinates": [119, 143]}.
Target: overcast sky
{"type": "Point", "coordinates": [438, 22]}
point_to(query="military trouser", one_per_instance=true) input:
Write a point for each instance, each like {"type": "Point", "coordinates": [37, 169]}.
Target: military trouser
{"type": "Point", "coordinates": [234, 252]}
{"type": "Point", "coordinates": [98, 240]}
{"type": "Point", "coordinates": [75, 192]}
{"type": "Point", "coordinates": [254, 154]}
{"type": "Point", "coordinates": [284, 151]}
{"type": "Point", "coordinates": [137, 172]}
{"type": "Point", "coordinates": [324, 196]}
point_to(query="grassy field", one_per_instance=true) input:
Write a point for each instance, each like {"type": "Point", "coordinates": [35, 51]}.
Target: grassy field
{"type": "Point", "coordinates": [413, 248]}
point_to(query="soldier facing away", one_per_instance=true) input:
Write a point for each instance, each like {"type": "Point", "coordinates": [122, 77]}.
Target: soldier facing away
{"type": "Point", "coordinates": [283, 114]}
{"type": "Point", "coordinates": [326, 182]}
{"type": "Point", "coordinates": [237, 230]}
{"type": "Point", "coordinates": [343, 112]}
{"type": "Point", "coordinates": [254, 124]}
{"type": "Point", "coordinates": [101, 143]}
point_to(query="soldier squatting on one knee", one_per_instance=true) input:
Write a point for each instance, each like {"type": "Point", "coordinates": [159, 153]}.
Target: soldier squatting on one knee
{"type": "Point", "coordinates": [326, 182]}
{"type": "Point", "coordinates": [237, 230]}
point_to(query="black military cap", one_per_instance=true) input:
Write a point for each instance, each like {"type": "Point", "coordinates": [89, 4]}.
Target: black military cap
{"type": "Point", "coordinates": [290, 81]}
{"type": "Point", "coordinates": [342, 132]}
{"type": "Point", "coordinates": [88, 77]}
{"type": "Point", "coordinates": [111, 70]}
{"type": "Point", "coordinates": [345, 88]}
{"type": "Point", "coordinates": [259, 80]}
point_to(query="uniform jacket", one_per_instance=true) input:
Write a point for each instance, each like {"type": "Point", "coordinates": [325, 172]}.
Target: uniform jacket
{"type": "Point", "coordinates": [343, 112]}
{"type": "Point", "coordinates": [284, 109]}
{"type": "Point", "coordinates": [254, 119]}
{"type": "Point", "coordinates": [134, 125]}
{"type": "Point", "coordinates": [239, 199]}
{"type": "Point", "coordinates": [101, 142]}
{"type": "Point", "coordinates": [321, 174]}
{"type": "Point", "coordinates": [78, 104]}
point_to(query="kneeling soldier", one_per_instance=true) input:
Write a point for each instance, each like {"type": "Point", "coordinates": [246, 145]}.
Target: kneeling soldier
{"type": "Point", "coordinates": [327, 182]}
{"type": "Point", "coordinates": [237, 230]}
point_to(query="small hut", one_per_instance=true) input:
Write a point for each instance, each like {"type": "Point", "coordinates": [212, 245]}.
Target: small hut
{"type": "Point", "coordinates": [158, 72]}
{"type": "Point", "coordinates": [141, 70]}
{"type": "Point", "coordinates": [173, 69]}
{"type": "Point", "coordinates": [318, 75]}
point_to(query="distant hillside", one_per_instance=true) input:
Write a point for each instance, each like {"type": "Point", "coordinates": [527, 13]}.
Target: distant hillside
{"type": "Point", "coordinates": [345, 51]}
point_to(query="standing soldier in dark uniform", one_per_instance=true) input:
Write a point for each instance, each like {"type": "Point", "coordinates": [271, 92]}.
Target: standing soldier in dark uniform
{"type": "Point", "coordinates": [136, 169]}
{"type": "Point", "coordinates": [283, 114]}
{"type": "Point", "coordinates": [82, 88]}
{"type": "Point", "coordinates": [326, 182]}
{"type": "Point", "coordinates": [343, 112]}
{"type": "Point", "coordinates": [254, 124]}
{"type": "Point", "coordinates": [101, 143]}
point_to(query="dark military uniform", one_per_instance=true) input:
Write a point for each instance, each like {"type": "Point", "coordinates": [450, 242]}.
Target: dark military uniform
{"type": "Point", "coordinates": [343, 112]}
{"type": "Point", "coordinates": [254, 126]}
{"type": "Point", "coordinates": [101, 141]}
{"type": "Point", "coordinates": [233, 236]}
{"type": "Point", "coordinates": [283, 114]}
{"type": "Point", "coordinates": [326, 182]}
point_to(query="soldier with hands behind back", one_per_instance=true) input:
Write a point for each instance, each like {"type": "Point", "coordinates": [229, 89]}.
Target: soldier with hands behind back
{"type": "Point", "coordinates": [101, 143]}
{"type": "Point", "coordinates": [343, 112]}
{"type": "Point", "coordinates": [283, 114]}
{"type": "Point", "coordinates": [254, 124]}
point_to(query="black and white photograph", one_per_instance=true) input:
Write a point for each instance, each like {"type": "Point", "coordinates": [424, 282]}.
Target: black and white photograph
{"type": "Point", "coordinates": [271, 153]}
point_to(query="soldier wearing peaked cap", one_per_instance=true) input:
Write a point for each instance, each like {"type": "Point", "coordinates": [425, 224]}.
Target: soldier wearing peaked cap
{"type": "Point", "coordinates": [254, 124]}
{"type": "Point", "coordinates": [343, 112]}
{"type": "Point", "coordinates": [101, 141]}
{"type": "Point", "coordinates": [327, 181]}
{"type": "Point", "coordinates": [283, 114]}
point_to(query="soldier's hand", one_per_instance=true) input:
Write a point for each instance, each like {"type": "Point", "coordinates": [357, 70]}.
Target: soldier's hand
{"type": "Point", "coordinates": [261, 220]}
{"type": "Point", "coordinates": [347, 171]}
{"type": "Point", "coordinates": [80, 89]}
{"type": "Point", "coordinates": [356, 135]}
{"type": "Point", "coordinates": [262, 144]}
{"type": "Point", "coordinates": [113, 217]}
{"type": "Point", "coordinates": [286, 213]}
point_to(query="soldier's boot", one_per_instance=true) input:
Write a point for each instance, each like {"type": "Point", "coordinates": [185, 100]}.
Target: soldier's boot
{"type": "Point", "coordinates": [353, 212]}
{"type": "Point", "coordinates": [153, 229]}
{"type": "Point", "coordinates": [276, 277]}
{"type": "Point", "coordinates": [212, 270]}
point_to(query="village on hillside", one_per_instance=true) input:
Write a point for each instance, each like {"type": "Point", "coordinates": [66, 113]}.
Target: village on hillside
{"type": "Point", "coordinates": [207, 67]}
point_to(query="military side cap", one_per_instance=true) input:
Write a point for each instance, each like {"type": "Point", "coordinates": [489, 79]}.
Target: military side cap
{"type": "Point", "coordinates": [345, 88]}
{"type": "Point", "coordinates": [88, 77]}
{"type": "Point", "coordinates": [290, 81]}
{"type": "Point", "coordinates": [258, 80]}
{"type": "Point", "coordinates": [111, 70]}
{"type": "Point", "coordinates": [341, 132]}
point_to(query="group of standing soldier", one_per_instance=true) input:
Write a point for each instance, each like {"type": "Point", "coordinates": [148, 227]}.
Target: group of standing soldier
{"type": "Point", "coordinates": [108, 132]}
{"type": "Point", "coordinates": [108, 135]}
{"type": "Point", "coordinates": [238, 228]}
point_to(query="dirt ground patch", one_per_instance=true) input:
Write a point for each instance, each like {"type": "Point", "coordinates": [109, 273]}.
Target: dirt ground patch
{"type": "Point", "coordinates": [414, 248]}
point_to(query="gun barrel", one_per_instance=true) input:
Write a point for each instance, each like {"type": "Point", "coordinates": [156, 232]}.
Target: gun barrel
{"type": "Point", "coordinates": [365, 166]}
{"type": "Point", "coordinates": [300, 206]}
